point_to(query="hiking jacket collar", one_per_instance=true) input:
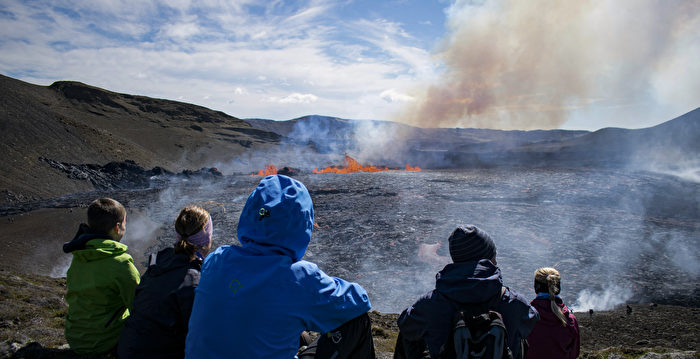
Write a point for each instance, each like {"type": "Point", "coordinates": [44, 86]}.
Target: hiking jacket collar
{"type": "Point", "coordinates": [81, 238]}
{"type": "Point", "coordinates": [167, 260]}
{"type": "Point", "coordinates": [469, 282]}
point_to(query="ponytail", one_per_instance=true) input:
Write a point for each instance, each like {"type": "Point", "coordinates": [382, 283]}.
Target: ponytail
{"type": "Point", "coordinates": [549, 279]}
{"type": "Point", "coordinates": [189, 223]}
{"type": "Point", "coordinates": [183, 246]}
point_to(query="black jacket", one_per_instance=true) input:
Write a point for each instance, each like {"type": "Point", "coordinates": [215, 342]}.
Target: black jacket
{"type": "Point", "coordinates": [462, 284]}
{"type": "Point", "coordinates": [157, 327]}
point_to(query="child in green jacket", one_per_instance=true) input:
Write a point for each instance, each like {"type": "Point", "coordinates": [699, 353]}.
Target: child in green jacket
{"type": "Point", "coordinates": [101, 280]}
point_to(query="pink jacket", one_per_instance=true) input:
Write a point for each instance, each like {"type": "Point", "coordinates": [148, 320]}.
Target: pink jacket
{"type": "Point", "coordinates": [550, 339]}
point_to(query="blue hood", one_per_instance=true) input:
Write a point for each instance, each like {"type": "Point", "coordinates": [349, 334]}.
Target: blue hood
{"type": "Point", "coordinates": [278, 218]}
{"type": "Point", "coordinates": [469, 282]}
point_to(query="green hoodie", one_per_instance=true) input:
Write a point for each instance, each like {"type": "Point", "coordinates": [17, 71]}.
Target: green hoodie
{"type": "Point", "coordinates": [100, 283]}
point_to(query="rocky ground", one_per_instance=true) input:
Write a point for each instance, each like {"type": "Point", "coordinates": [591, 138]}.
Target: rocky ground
{"type": "Point", "coordinates": [33, 310]}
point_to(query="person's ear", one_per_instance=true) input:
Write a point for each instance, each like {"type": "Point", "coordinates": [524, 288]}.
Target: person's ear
{"type": "Point", "coordinates": [118, 230]}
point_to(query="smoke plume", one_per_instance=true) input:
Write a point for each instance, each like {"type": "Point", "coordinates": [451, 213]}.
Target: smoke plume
{"type": "Point", "coordinates": [528, 64]}
{"type": "Point", "coordinates": [606, 299]}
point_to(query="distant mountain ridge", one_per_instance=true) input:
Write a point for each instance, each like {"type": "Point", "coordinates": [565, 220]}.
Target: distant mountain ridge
{"type": "Point", "coordinates": [669, 144]}
{"type": "Point", "coordinates": [75, 123]}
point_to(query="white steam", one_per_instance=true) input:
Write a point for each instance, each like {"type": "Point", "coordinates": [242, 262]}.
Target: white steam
{"type": "Point", "coordinates": [684, 255]}
{"type": "Point", "coordinates": [141, 232]}
{"type": "Point", "coordinates": [319, 142]}
{"type": "Point", "coordinates": [605, 299]}
{"type": "Point", "coordinates": [60, 269]}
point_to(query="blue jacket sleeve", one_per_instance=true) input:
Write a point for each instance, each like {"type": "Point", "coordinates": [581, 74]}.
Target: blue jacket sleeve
{"type": "Point", "coordinates": [332, 301]}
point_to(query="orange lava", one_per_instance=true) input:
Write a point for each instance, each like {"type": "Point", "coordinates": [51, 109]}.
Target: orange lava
{"type": "Point", "coordinates": [269, 170]}
{"type": "Point", "coordinates": [415, 169]}
{"type": "Point", "coordinates": [351, 165]}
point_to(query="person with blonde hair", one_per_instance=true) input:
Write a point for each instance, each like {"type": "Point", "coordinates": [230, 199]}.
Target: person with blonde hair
{"type": "Point", "coordinates": [157, 327]}
{"type": "Point", "coordinates": [556, 335]}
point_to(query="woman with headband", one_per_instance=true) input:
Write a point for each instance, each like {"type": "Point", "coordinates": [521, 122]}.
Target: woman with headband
{"type": "Point", "coordinates": [157, 327]}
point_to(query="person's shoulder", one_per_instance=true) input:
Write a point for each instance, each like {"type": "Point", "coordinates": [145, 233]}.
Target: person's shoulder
{"type": "Point", "coordinates": [224, 252]}
{"type": "Point", "coordinates": [121, 263]}
{"type": "Point", "coordinates": [430, 299]}
{"type": "Point", "coordinates": [304, 269]}
{"type": "Point", "coordinates": [221, 256]}
{"type": "Point", "coordinates": [165, 252]}
{"type": "Point", "coordinates": [124, 259]}
{"type": "Point", "coordinates": [308, 274]}
{"type": "Point", "coordinates": [513, 297]}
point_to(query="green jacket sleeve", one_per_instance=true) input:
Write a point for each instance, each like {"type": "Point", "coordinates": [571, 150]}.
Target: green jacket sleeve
{"type": "Point", "coordinates": [127, 281]}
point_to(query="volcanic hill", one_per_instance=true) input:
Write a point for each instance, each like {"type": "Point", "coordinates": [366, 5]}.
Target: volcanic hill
{"type": "Point", "coordinates": [71, 122]}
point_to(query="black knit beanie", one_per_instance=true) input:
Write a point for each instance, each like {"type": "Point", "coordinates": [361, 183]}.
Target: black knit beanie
{"type": "Point", "coordinates": [470, 243]}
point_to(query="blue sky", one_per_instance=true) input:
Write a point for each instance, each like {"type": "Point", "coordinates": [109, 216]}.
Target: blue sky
{"type": "Point", "coordinates": [494, 64]}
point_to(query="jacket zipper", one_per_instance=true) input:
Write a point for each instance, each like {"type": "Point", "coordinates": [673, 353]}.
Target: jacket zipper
{"type": "Point", "coordinates": [119, 311]}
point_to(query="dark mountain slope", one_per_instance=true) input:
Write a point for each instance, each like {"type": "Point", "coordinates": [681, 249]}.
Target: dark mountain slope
{"type": "Point", "coordinates": [671, 143]}
{"type": "Point", "coordinates": [675, 143]}
{"type": "Point", "coordinates": [76, 123]}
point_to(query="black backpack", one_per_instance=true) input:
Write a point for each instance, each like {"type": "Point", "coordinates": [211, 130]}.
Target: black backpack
{"type": "Point", "coordinates": [477, 332]}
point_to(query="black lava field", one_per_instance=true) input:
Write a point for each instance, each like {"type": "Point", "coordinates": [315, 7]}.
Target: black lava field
{"type": "Point", "coordinates": [615, 236]}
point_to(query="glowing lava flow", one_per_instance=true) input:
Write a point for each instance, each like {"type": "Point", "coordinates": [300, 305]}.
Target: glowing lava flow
{"type": "Point", "coordinates": [351, 165]}
{"type": "Point", "coordinates": [415, 169]}
{"type": "Point", "coordinates": [269, 170]}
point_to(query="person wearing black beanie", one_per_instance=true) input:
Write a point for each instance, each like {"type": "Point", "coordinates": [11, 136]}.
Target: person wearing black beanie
{"type": "Point", "coordinates": [469, 243]}
{"type": "Point", "coordinates": [473, 280]}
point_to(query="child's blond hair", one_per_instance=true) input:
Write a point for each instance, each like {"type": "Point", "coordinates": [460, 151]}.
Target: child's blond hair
{"type": "Point", "coordinates": [549, 279]}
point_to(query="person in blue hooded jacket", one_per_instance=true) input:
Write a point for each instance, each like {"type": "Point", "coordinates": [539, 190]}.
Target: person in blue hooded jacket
{"type": "Point", "coordinates": [254, 300]}
{"type": "Point", "coordinates": [473, 279]}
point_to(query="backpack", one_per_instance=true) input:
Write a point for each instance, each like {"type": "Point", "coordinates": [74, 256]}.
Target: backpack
{"type": "Point", "coordinates": [477, 332]}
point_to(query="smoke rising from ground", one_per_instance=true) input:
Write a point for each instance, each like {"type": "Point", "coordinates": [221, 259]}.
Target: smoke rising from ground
{"type": "Point", "coordinates": [606, 299]}
{"type": "Point", "coordinates": [528, 64]}
{"type": "Point", "coordinates": [319, 142]}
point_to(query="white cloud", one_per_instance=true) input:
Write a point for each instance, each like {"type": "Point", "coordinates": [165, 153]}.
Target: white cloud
{"type": "Point", "coordinates": [289, 55]}
{"type": "Point", "coordinates": [180, 31]}
{"type": "Point", "coordinates": [296, 98]}
{"type": "Point", "coordinates": [392, 95]}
